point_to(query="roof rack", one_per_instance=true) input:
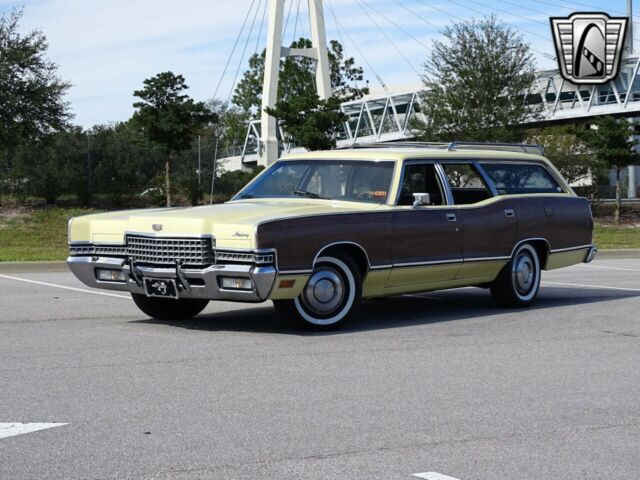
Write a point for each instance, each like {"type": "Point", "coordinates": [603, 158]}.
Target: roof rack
{"type": "Point", "coordinates": [442, 146]}
{"type": "Point", "coordinates": [507, 147]}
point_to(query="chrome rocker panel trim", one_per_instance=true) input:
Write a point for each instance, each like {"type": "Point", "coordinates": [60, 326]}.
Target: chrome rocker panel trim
{"type": "Point", "coordinates": [205, 287]}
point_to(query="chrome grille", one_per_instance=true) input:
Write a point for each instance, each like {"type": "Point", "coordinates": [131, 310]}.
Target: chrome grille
{"type": "Point", "coordinates": [103, 250]}
{"type": "Point", "coordinates": [259, 258]}
{"type": "Point", "coordinates": [165, 251]}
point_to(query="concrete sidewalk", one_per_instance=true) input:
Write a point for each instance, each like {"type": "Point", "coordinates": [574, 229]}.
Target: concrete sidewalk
{"type": "Point", "coordinates": [31, 267]}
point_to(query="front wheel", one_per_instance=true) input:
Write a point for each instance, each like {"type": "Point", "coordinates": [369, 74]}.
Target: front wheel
{"type": "Point", "coordinates": [331, 295]}
{"type": "Point", "coordinates": [168, 308]}
{"type": "Point", "coordinates": [518, 283]}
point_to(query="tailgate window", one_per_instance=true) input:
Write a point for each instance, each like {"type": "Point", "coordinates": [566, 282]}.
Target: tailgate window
{"type": "Point", "coordinates": [518, 178]}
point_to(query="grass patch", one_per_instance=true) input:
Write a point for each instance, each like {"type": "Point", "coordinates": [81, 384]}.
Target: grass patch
{"type": "Point", "coordinates": [35, 234]}
{"type": "Point", "coordinates": [611, 236]}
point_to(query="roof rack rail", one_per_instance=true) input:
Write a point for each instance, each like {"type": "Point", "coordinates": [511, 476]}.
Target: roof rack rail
{"type": "Point", "coordinates": [507, 147]}
{"type": "Point", "coordinates": [440, 145]}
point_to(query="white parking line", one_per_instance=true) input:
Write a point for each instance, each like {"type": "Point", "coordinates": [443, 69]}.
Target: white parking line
{"type": "Point", "coordinates": [433, 476]}
{"type": "Point", "coordinates": [13, 429]}
{"type": "Point", "coordinates": [47, 284]}
{"type": "Point", "coordinates": [609, 268]}
{"type": "Point", "coordinates": [621, 289]}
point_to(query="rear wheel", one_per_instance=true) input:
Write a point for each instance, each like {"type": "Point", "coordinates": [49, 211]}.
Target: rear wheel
{"type": "Point", "coordinates": [168, 308]}
{"type": "Point", "coordinates": [331, 295]}
{"type": "Point", "coordinates": [518, 283]}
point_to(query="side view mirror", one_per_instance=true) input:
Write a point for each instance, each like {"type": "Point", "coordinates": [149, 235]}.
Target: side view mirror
{"type": "Point", "coordinates": [420, 199]}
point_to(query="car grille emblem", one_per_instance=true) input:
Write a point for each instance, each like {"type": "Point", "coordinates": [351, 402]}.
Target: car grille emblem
{"type": "Point", "coordinates": [157, 227]}
{"type": "Point", "coordinates": [589, 46]}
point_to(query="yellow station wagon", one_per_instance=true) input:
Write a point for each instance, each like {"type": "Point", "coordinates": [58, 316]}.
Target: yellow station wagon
{"type": "Point", "coordinates": [317, 232]}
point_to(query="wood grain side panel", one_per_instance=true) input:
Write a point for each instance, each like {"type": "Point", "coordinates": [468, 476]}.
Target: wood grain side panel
{"type": "Point", "coordinates": [487, 231]}
{"type": "Point", "coordinates": [298, 240]}
{"type": "Point", "coordinates": [564, 222]}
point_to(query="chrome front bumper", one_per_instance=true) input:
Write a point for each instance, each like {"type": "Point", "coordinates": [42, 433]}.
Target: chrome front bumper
{"type": "Point", "coordinates": [202, 284]}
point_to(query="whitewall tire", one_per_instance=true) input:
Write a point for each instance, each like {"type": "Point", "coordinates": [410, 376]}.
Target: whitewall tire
{"type": "Point", "coordinates": [331, 295]}
{"type": "Point", "coordinates": [518, 283]}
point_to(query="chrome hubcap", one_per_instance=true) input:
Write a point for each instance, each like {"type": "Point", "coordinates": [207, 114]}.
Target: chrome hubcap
{"type": "Point", "coordinates": [324, 291]}
{"type": "Point", "coordinates": [523, 273]}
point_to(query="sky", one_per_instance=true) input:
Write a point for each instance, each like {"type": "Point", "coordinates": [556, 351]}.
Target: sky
{"type": "Point", "coordinates": [106, 49]}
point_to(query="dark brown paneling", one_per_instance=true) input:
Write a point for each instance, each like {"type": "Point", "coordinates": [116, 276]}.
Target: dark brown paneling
{"type": "Point", "coordinates": [564, 222]}
{"type": "Point", "coordinates": [487, 231]}
{"type": "Point", "coordinates": [298, 240]}
{"type": "Point", "coordinates": [425, 235]}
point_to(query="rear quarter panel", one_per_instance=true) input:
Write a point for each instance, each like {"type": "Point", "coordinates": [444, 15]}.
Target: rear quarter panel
{"type": "Point", "coordinates": [564, 221]}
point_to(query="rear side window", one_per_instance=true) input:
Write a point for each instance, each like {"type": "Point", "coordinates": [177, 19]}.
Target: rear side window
{"type": "Point", "coordinates": [515, 178]}
{"type": "Point", "coordinates": [466, 183]}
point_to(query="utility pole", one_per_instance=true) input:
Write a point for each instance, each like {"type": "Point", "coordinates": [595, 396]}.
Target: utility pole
{"type": "Point", "coordinates": [89, 167]}
{"type": "Point", "coordinates": [268, 146]}
{"type": "Point", "coordinates": [631, 169]}
{"type": "Point", "coordinates": [199, 163]}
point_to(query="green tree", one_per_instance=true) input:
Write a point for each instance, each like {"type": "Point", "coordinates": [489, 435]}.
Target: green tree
{"type": "Point", "coordinates": [53, 166]}
{"type": "Point", "coordinates": [310, 122]}
{"type": "Point", "coordinates": [297, 77]}
{"type": "Point", "coordinates": [31, 94]}
{"type": "Point", "coordinates": [569, 154]}
{"type": "Point", "coordinates": [169, 118]}
{"type": "Point", "coordinates": [611, 140]}
{"type": "Point", "coordinates": [124, 161]}
{"type": "Point", "coordinates": [475, 83]}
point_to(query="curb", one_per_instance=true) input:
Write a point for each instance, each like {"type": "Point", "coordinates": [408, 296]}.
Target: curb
{"type": "Point", "coordinates": [618, 253]}
{"type": "Point", "coordinates": [34, 267]}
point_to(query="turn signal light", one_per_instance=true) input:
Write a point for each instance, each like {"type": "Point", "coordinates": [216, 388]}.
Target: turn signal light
{"type": "Point", "coordinates": [287, 283]}
{"type": "Point", "coordinates": [235, 283]}
{"type": "Point", "coordinates": [105, 275]}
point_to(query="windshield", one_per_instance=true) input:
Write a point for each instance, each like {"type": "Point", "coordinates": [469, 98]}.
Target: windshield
{"type": "Point", "coordinates": [352, 181]}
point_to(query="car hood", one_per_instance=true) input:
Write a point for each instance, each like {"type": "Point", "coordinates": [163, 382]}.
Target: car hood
{"type": "Point", "coordinates": [232, 224]}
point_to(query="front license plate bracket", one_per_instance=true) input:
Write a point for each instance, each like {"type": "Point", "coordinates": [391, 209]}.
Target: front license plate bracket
{"type": "Point", "coordinates": [160, 287]}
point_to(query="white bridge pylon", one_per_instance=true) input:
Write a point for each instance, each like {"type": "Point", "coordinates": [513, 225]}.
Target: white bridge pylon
{"type": "Point", "coordinates": [267, 147]}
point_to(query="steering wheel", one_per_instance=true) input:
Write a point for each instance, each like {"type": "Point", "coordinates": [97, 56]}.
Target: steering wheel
{"type": "Point", "coordinates": [366, 194]}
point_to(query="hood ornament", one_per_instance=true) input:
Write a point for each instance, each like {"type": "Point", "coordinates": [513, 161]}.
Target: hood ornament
{"type": "Point", "coordinates": [157, 227]}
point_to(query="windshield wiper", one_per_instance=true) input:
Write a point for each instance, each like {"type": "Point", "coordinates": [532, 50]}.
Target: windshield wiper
{"type": "Point", "coordinates": [247, 195]}
{"type": "Point", "coordinates": [303, 193]}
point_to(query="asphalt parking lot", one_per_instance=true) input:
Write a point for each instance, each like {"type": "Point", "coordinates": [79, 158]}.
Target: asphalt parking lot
{"type": "Point", "coordinates": [442, 382]}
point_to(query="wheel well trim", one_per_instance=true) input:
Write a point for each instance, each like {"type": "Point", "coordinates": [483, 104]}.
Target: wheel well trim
{"type": "Point", "coordinates": [337, 244]}
{"type": "Point", "coordinates": [529, 240]}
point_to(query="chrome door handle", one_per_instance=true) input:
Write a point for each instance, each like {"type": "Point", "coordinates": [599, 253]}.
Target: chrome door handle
{"type": "Point", "coordinates": [509, 212]}
{"type": "Point", "coordinates": [451, 217]}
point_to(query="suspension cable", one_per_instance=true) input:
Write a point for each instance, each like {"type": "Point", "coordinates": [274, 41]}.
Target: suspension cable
{"type": "Point", "coordinates": [507, 12]}
{"type": "Point", "coordinates": [264, 15]}
{"type": "Point", "coordinates": [295, 25]}
{"type": "Point", "coordinates": [409, 34]}
{"type": "Point", "coordinates": [417, 15]}
{"type": "Point", "coordinates": [233, 50]}
{"type": "Point", "coordinates": [286, 23]}
{"type": "Point", "coordinates": [433, 7]}
{"type": "Point", "coordinates": [545, 54]}
{"type": "Point", "coordinates": [381, 30]}
{"type": "Point", "coordinates": [244, 51]}
{"type": "Point", "coordinates": [355, 45]}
